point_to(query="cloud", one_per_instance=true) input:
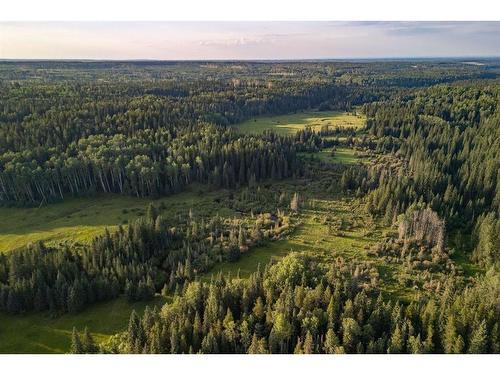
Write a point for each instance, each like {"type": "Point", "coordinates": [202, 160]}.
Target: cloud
{"type": "Point", "coordinates": [247, 40]}
{"type": "Point", "coordinates": [256, 40]}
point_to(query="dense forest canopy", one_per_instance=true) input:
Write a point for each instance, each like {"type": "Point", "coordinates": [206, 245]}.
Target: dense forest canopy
{"type": "Point", "coordinates": [429, 183]}
{"type": "Point", "coordinates": [450, 140]}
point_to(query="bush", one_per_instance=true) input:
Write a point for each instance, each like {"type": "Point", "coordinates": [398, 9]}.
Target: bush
{"type": "Point", "coordinates": [234, 254]}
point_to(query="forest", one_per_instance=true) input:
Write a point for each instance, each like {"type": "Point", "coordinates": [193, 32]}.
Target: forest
{"type": "Point", "coordinates": [371, 224]}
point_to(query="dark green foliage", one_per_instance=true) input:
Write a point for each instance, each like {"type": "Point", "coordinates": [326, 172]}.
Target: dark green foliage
{"type": "Point", "coordinates": [446, 145]}
{"type": "Point", "coordinates": [300, 305]}
{"type": "Point", "coordinates": [487, 238]}
{"type": "Point", "coordinates": [233, 254]}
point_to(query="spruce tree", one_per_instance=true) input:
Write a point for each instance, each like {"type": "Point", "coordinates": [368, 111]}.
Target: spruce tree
{"type": "Point", "coordinates": [88, 343]}
{"type": "Point", "coordinates": [479, 340]}
{"type": "Point", "coordinates": [76, 344]}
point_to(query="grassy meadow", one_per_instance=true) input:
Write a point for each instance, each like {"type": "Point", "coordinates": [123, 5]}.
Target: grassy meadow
{"type": "Point", "coordinates": [312, 234]}
{"type": "Point", "coordinates": [341, 155]}
{"type": "Point", "coordinates": [40, 333]}
{"type": "Point", "coordinates": [291, 123]}
{"type": "Point", "coordinates": [331, 227]}
{"type": "Point", "coordinates": [81, 219]}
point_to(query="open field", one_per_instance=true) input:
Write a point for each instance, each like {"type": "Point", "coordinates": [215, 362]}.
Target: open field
{"type": "Point", "coordinates": [342, 155]}
{"type": "Point", "coordinates": [312, 234]}
{"type": "Point", "coordinates": [291, 123]}
{"type": "Point", "coordinates": [315, 234]}
{"type": "Point", "coordinates": [38, 333]}
{"type": "Point", "coordinates": [81, 219]}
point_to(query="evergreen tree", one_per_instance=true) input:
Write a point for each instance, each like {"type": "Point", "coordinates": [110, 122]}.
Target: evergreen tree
{"type": "Point", "coordinates": [87, 342]}
{"type": "Point", "coordinates": [478, 341]}
{"type": "Point", "coordinates": [76, 344]}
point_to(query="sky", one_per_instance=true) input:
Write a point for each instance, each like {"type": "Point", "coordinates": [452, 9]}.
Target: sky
{"type": "Point", "coordinates": [247, 40]}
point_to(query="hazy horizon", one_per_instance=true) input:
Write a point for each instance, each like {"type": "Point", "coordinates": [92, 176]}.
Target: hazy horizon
{"type": "Point", "coordinates": [178, 41]}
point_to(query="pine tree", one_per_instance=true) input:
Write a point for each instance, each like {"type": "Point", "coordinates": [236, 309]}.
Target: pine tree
{"type": "Point", "coordinates": [330, 311]}
{"type": "Point", "coordinates": [257, 346]}
{"type": "Point", "coordinates": [230, 332]}
{"type": "Point", "coordinates": [151, 213]}
{"type": "Point", "coordinates": [75, 298]}
{"type": "Point", "coordinates": [450, 336]}
{"type": "Point", "coordinates": [396, 343]}
{"type": "Point", "coordinates": [134, 334]}
{"type": "Point", "coordinates": [479, 340]}
{"type": "Point", "coordinates": [241, 237]}
{"type": "Point", "coordinates": [258, 309]}
{"type": "Point", "coordinates": [280, 333]}
{"type": "Point", "coordinates": [351, 332]}
{"type": "Point", "coordinates": [308, 343]}
{"type": "Point", "coordinates": [88, 343]}
{"type": "Point", "coordinates": [76, 344]}
{"type": "Point", "coordinates": [294, 203]}
{"type": "Point", "coordinates": [415, 344]}
{"type": "Point", "coordinates": [298, 347]}
{"type": "Point", "coordinates": [209, 344]}
{"type": "Point", "coordinates": [331, 342]}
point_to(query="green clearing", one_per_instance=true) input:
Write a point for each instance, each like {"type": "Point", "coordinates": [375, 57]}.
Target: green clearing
{"type": "Point", "coordinates": [312, 234]}
{"type": "Point", "coordinates": [342, 155]}
{"type": "Point", "coordinates": [39, 333]}
{"type": "Point", "coordinates": [81, 219]}
{"type": "Point", "coordinates": [291, 123]}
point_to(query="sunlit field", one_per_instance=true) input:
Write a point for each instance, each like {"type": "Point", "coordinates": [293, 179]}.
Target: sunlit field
{"type": "Point", "coordinates": [291, 123]}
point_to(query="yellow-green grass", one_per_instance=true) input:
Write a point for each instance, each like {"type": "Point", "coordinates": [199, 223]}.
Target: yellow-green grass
{"type": "Point", "coordinates": [342, 155]}
{"type": "Point", "coordinates": [291, 123]}
{"type": "Point", "coordinates": [39, 333]}
{"type": "Point", "coordinates": [81, 219]}
{"type": "Point", "coordinates": [311, 235]}
{"type": "Point", "coordinates": [315, 235]}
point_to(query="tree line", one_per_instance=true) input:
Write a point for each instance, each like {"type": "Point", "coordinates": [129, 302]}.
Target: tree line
{"type": "Point", "coordinates": [152, 163]}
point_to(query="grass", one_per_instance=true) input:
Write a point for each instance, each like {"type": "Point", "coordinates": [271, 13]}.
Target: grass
{"type": "Point", "coordinates": [249, 262]}
{"type": "Point", "coordinates": [81, 219]}
{"type": "Point", "coordinates": [342, 155]}
{"type": "Point", "coordinates": [291, 123]}
{"type": "Point", "coordinates": [312, 235]}
{"type": "Point", "coordinates": [316, 234]}
{"type": "Point", "coordinates": [39, 333]}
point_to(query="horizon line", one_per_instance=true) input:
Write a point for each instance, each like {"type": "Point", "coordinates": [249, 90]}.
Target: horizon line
{"type": "Point", "coordinates": [86, 59]}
